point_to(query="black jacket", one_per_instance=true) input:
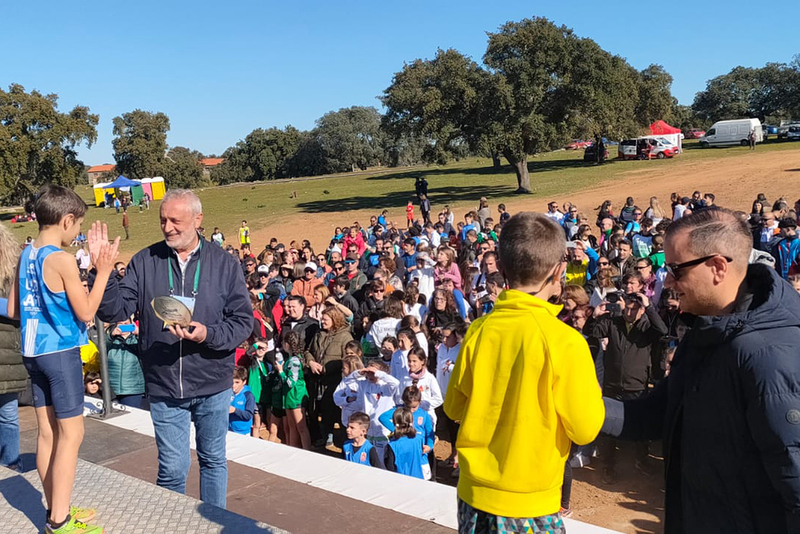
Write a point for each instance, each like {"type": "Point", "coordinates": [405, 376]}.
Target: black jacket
{"type": "Point", "coordinates": [628, 358]}
{"type": "Point", "coordinates": [13, 376]}
{"type": "Point", "coordinates": [172, 367]}
{"type": "Point", "coordinates": [729, 414]}
{"type": "Point", "coordinates": [306, 328]}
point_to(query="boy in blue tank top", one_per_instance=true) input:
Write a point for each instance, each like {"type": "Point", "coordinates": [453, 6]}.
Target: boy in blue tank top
{"type": "Point", "coordinates": [53, 307]}
{"type": "Point", "coordinates": [357, 448]}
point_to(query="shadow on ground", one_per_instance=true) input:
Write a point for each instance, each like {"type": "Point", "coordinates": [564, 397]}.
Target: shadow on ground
{"type": "Point", "coordinates": [399, 199]}
{"type": "Point", "coordinates": [23, 496]}
{"type": "Point", "coordinates": [533, 166]}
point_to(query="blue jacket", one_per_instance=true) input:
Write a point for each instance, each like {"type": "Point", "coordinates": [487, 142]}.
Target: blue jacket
{"type": "Point", "coordinates": [787, 254]}
{"type": "Point", "coordinates": [363, 453]}
{"type": "Point", "coordinates": [172, 367]}
{"type": "Point", "coordinates": [407, 455]}
{"type": "Point", "coordinates": [422, 424]}
{"type": "Point", "coordinates": [729, 414]}
{"type": "Point", "coordinates": [241, 420]}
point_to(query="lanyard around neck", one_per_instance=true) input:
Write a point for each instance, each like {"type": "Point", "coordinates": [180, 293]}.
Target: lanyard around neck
{"type": "Point", "coordinates": [196, 274]}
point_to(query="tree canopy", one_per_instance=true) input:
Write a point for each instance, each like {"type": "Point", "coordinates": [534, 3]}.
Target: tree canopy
{"type": "Point", "coordinates": [771, 92]}
{"type": "Point", "coordinates": [262, 155]}
{"type": "Point", "coordinates": [140, 143]}
{"type": "Point", "coordinates": [183, 169]}
{"type": "Point", "coordinates": [350, 138]}
{"type": "Point", "coordinates": [38, 143]}
{"type": "Point", "coordinates": [540, 86]}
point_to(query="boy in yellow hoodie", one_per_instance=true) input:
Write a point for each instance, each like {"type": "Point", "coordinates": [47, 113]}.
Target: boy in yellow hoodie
{"type": "Point", "coordinates": [524, 388]}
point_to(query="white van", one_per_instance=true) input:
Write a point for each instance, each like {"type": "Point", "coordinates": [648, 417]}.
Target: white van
{"type": "Point", "coordinates": [735, 132]}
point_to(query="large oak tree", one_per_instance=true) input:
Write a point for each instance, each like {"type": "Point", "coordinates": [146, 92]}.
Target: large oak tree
{"type": "Point", "coordinates": [38, 143]}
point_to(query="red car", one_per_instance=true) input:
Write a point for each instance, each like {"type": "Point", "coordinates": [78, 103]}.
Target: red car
{"type": "Point", "coordinates": [577, 144]}
{"type": "Point", "coordinates": [695, 133]}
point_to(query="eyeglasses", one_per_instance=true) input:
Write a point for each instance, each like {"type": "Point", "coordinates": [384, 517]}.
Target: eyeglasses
{"type": "Point", "coordinates": [310, 270]}
{"type": "Point", "coordinates": [263, 275]}
{"type": "Point", "coordinates": [603, 263]}
{"type": "Point", "coordinates": [637, 213]}
{"type": "Point", "coordinates": [379, 291]}
{"type": "Point", "coordinates": [339, 267]}
{"type": "Point", "coordinates": [674, 269]}
{"type": "Point", "coordinates": [642, 267]}
{"type": "Point", "coordinates": [350, 262]}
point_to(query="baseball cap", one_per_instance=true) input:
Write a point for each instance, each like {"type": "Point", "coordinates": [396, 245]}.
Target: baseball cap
{"type": "Point", "coordinates": [684, 200]}
{"type": "Point", "coordinates": [263, 269]}
{"type": "Point", "coordinates": [311, 266]}
{"type": "Point", "coordinates": [352, 257]}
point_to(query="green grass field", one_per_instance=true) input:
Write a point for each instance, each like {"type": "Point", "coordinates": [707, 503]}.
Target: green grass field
{"type": "Point", "coordinates": [266, 203]}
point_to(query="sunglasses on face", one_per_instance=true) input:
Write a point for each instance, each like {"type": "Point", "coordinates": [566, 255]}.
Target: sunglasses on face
{"type": "Point", "coordinates": [339, 267]}
{"type": "Point", "coordinates": [641, 268]}
{"type": "Point", "coordinates": [603, 263]}
{"type": "Point", "coordinates": [674, 269]}
{"type": "Point", "coordinates": [350, 262]}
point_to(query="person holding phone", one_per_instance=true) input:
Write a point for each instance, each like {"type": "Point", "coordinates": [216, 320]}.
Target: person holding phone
{"type": "Point", "coordinates": [124, 369]}
{"type": "Point", "coordinates": [634, 331]}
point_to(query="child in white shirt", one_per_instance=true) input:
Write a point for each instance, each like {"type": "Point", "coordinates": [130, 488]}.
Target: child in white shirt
{"type": "Point", "coordinates": [375, 392]}
{"type": "Point", "coordinates": [419, 376]}
{"type": "Point", "coordinates": [406, 340]}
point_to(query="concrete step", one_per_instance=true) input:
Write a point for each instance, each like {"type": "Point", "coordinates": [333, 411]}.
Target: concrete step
{"type": "Point", "coordinates": [125, 505]}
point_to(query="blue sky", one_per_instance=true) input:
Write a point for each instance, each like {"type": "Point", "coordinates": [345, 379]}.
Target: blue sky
{"type": "Point", "coordinates": [221, 69]}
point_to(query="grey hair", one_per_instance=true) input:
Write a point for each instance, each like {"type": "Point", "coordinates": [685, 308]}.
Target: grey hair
{"type": "Point", "coordinates": [186, 195]}
{"type": "Point", "coordinates": [715, 231]}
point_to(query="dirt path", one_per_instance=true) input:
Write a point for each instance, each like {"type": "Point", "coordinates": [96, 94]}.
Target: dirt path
{"type": "Point", "coordinates": [735, 180]}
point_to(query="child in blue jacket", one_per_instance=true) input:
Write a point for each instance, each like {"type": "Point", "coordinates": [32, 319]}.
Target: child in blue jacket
{"type": "Point", "coordinates": [243, 404]}
{"type": "Point", "coordinates": [421, 421]}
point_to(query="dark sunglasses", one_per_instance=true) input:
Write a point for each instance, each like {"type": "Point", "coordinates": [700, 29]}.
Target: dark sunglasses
{"type": "Point", "coordinates": [339, 267]}
{"type": "Point", "coordinates": [602, 263]}
{"type": "Point", "coordinates": [642, 268]}
{"type": "Point", "coordinates": [674, 269]}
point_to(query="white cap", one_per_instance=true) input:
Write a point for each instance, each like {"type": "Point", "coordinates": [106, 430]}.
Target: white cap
{"type": "Point", "coordinates": [311, 265]}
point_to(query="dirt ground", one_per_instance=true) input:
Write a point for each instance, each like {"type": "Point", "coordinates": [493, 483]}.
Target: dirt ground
{"type": "Point", "coordinates": [735, 180]}
{"type": "Point", "coordinates": [635, 503]}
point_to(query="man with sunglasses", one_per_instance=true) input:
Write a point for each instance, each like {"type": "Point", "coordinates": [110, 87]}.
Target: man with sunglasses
{"type": "Point", "coordinates": [729, 411]}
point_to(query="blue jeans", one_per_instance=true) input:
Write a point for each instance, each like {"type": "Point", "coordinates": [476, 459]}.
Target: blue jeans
{"type": "Point", "coordinates": [171, 420]}
{"type": "Point", "coordinates": [9, 429]}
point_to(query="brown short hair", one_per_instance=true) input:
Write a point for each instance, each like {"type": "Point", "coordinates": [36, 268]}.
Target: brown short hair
{"type": "Point", "coordinates": [716, 231]}
{"type": "Point", "coordinates": [577, 294]}
{"type": "Point", "coordinates": [240, 373]}
{"type": "Point", "coordinates": [530, 246]}
{"type": "Point", "coordinates": [54, 202]}
{"type": "Point", "coordinates": [359, 418]}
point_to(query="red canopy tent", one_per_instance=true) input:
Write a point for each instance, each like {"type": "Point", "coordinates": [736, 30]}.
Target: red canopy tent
{"type": "Point", "coordinates": [662, 128]}
{"type": "Point", "coordinates": [670, 133]}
